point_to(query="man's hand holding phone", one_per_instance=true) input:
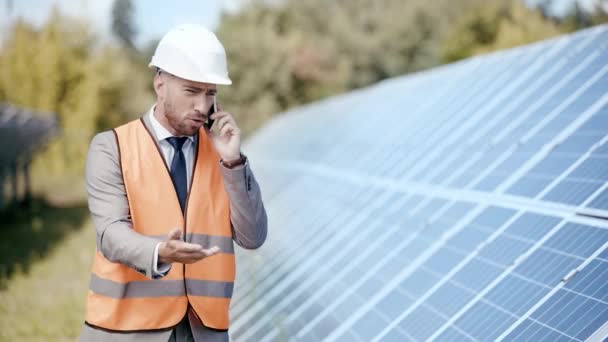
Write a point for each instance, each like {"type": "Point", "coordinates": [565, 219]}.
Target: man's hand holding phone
{"type": "Point", "coordinates": [224, 133]}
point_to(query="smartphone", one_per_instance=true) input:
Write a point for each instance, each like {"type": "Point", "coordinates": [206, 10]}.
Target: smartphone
{"type": "Point", "coordinates": [212, 110]}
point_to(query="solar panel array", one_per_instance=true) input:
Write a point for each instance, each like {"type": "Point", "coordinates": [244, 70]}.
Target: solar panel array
{"type": "Point", "coordinates": [21, 133]}
{"type": "Point", "coordinates": [464, 203]}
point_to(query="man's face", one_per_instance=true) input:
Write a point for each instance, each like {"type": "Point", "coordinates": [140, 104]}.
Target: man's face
{"type": "Point", "coordinates": [184, 103]}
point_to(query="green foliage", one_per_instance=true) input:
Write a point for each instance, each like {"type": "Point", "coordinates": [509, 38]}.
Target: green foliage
{"type": "Point", "coordinates": [579, 18]}
{"type": "Point", "coordinates": [17, 58]}
{"type": "Point", "coordinates": [283, 54]}
{"type": "Point", "coordinates": [59, 69]}
{"type": "Point", "coordinates": [502, 24]}
{"type": "Point", "coordinates": [491, 26]}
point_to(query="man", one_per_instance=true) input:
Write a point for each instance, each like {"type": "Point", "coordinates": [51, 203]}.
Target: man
{"type": "Point", "coordinates": [168, 195]}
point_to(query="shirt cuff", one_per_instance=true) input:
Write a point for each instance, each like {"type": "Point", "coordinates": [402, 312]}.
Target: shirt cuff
{"type": "Point", "coordinates": [159, 270]}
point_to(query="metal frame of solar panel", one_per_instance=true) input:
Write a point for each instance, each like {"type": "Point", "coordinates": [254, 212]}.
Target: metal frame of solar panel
{"type": "Point", "coordinates": [464, 203]}
{"type": "Point", "coordinates": [21, 133]}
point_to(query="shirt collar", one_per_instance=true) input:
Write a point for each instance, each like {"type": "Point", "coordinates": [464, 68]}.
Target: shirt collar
{"type": "Point", "coordinates": [160, 131]}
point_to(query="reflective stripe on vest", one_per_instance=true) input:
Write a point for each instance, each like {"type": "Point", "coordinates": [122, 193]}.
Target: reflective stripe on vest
{"type": "Point", "coordinates": [123, 299]}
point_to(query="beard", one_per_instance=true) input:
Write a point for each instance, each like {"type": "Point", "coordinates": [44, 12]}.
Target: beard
{"type": "Point", "coordinates": [180, 124]}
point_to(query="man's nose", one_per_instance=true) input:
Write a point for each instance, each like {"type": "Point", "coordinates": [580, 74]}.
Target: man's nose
{"type": "Point", "coordinates": [201, 105]}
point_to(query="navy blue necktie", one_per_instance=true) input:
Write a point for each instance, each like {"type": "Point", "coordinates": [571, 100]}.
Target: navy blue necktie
{"type": "Point", "coordinates": [178, 170]}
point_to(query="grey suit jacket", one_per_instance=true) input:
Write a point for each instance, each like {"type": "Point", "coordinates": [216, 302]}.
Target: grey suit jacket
{"type": "Point", "coordinates": [118, 242]}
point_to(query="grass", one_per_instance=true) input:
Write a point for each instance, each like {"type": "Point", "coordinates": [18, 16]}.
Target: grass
{"type": "Point", "coordinates": [46, 255]}
{"type": "Point", "coordinates": [30, 233]}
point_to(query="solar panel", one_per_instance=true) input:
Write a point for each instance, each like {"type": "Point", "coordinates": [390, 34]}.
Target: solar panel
{"type": "Point", "coordinates": [464, 203]}
{"type": "Point", "coordinates": [21, 132]}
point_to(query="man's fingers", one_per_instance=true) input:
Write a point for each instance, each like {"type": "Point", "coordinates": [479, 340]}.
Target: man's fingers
{"type": "Point", "coordinates": [186, 247]}
{"type": "Point", "coordinates": [187, 253]}
{"type": "Point", "coordinates": [186, 258]}
{"type": "Point", "coordinates": [225, 128]}
{"type": "Point", "coordinates": [219, 114]}
{"type": "Point", "coordinates": [211, 251]}
{"type": "Point", "coordinates": [192, 257]}
{"type": "Point", "coordinates": [228, 128]}
{"type": "Point", "coordinates": [224, 118]}
{"type": "Point", "coordinates": [175, 234]}
{"type": "Point", "coordinates": [224, 123]}
{"type": "Point", "coordinates": [221, 122]}
{"type": "Point", "coordinates": [178, 246]}
{"type": "Point", "coordinates": [198, 252]}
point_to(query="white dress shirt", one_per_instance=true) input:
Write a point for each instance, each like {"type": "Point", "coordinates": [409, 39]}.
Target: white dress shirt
{"type": "Point", "coordinates": [168, 151]}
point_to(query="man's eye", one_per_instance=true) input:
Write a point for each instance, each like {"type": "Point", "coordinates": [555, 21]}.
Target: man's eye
{"type": "Point", "coordinates": [192, 91]}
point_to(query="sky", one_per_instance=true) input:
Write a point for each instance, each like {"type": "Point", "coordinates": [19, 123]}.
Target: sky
{"type": "Point", "coordinates": [153, 17]}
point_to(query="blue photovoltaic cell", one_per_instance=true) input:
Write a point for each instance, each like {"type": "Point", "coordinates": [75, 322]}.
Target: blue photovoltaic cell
{"type": "Point", "coordinates": [601, 201]}
{"type": "Point", "coordinates": [480, 271]}
{"type": "Point", "coordinates": [543, 174]}
{"type": "Point", "coordinates": [577, 310]}
{"type": "Point", "coordinates": [477, 214]}
{"type": "Point", "coordinates": [556, 163]}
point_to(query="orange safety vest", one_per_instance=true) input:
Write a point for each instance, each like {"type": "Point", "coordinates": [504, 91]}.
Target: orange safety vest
{"type": "Point", "coordinates": [123, 299]}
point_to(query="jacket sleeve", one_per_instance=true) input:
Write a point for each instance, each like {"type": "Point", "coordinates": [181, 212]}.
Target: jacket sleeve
{"type": "Point", "coordinates": [247, 213]}
{"type": "Point", "coordinates": [109, 207]}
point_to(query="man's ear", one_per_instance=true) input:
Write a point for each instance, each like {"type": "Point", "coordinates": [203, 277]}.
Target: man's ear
{"type": "Point", "coordinates": [158, 83]}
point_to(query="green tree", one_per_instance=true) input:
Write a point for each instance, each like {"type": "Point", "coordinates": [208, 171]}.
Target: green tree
{"type": "Point", "coordinates": [495, 26]}
{"type": "Point", "coordinates": [17, 59]}
{"type": "Point", "coordinates": [125, 89]}
{"type": "Point", "coordinates": [49, 64]}
{"type": "Point", "coordinates": [287, 53]}
{"type": "Point", "coordinates": [60, 68]}
{"type": "Point", "coordinates": [579, 18]}
{"type": "Point", "coordinates": [123, 22]}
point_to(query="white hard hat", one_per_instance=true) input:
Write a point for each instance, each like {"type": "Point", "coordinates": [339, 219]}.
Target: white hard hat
{"type": "Point", "coordinates": [194, 53]}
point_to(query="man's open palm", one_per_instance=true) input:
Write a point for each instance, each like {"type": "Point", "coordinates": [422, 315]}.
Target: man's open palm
{"type": "Point", "coordinates": [175, 250]}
